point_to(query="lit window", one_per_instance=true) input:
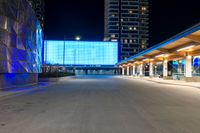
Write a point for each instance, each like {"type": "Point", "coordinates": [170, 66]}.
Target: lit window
{"type": "Point", "coordinates": [144, 8]}
{"type": "Point", "coordinates": [113, 35]}
{"type": "Point", "coordinates": [143, 46]}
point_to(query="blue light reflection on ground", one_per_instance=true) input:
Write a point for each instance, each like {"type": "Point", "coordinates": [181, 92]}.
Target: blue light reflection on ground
{"type": "Point", "coordinates": [40, 85]}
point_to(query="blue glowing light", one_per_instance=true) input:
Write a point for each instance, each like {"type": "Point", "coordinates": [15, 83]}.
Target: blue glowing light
{"type": "Point", "coordinates": [196, 62]}
{"type": "Point", "coordinates": [80, 53]}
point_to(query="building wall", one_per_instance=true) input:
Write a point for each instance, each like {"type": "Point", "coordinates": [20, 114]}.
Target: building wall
{"type": "Point", "coordinates": [80, 53]}
{"type": "Point", "coordinates": [21, 39]}
{"type": "Point", "coordinates": [9, 80]}
{"type": "Point", "coordinates": [127, 22]}
{"type": "Point", "coordinates": [39, 8]}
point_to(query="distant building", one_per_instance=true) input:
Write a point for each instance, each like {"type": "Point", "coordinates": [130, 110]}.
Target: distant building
{"type": "Point", "coordinates": [84, 57]}
{"type": "Point", "coordinates": [39, 8]}
{"type": "Point", "coordinates": [126, 21]}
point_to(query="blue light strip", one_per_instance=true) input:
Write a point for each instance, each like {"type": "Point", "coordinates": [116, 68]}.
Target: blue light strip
{"type": "Point", "coordinates": [80, 53]}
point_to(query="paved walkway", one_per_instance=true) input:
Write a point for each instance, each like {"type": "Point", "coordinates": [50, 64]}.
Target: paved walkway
{"type": "Point", "coordinates": [103, 104]}
{"type": "Point", "coordinates": [162, 81]}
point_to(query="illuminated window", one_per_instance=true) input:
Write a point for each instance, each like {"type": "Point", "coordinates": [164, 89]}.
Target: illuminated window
{"type": "Point", "coordinates": [113, 35]}
{"type": "Point", "coordinates": [143, 46]}
{"type": "Point", "coordinates": [144, 8]}
{"type": "Point", "coordinates": [125, 41]}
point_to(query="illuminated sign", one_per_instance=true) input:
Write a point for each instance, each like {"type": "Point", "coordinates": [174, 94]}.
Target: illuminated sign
{"type": "Point", "coordinates": [80, 53]}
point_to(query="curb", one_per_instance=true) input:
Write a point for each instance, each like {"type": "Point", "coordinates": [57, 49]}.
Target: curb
{"type": "Point", "coordinates": [34, 87]}
{"type": "Point", "coordinates": [10, 94]}
{"type": "Point", "coordinates": [171, 83]}
{"type": "Point", "coordinates": [162, 82]}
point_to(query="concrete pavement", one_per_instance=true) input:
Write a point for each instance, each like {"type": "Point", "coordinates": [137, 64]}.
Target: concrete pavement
{"type": "Point", "coordinates": [103, 104]}
{"type": "Point", "coordinates": [22, 89]}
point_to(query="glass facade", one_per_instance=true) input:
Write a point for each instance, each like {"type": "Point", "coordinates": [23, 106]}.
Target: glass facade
{"type": "Point", "coordinates": [21, 38]}
{"type": "Point", "coordinates": [196, 66]}
{"type": "Point", "coordinates": [80, 53]}
{"type": "Point", "coordinates": [158, 69]}
{"type": "Point", "coordinates": [178, 67]}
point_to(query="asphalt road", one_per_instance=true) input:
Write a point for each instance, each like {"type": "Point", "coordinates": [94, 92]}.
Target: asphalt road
{"type": "Point", "coordinates": [103, 104]}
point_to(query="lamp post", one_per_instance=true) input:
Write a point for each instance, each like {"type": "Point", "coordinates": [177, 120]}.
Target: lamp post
{"type": "Point", "coordinates": [64, 52]}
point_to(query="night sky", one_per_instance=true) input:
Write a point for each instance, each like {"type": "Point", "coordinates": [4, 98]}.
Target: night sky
{"type": "Point", "coordinates": [86, 18]}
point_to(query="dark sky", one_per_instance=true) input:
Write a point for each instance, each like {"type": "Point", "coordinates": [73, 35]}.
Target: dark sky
{"type": "Point", "coordinates": [86, 18]}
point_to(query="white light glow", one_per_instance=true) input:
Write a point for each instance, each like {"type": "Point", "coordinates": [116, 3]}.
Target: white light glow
{"type": "Point", "coordinates": [185, 48]}
{"type": "Point", "coordinates": [162, 55]}
{"type": "Point", "coordinates": [78, 38]}
{"type": "Point", "coordinates": [146, 60]}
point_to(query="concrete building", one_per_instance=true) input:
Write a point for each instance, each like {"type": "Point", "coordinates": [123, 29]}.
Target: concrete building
{"type": "Point", "coordinates": [21, 39]}
{"type": "Point", "coordinates": [177, 58]}
{"type": "Point", "coordinates": [126, 21]}
{"type": "Point", "coordinates": [81, 57]}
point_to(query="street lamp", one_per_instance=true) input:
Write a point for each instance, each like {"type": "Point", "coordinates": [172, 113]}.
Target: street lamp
{"type": "Point", "coordinates": [78, 38]}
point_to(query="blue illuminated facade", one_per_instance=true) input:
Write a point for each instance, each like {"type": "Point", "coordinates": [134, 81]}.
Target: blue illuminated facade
{"type": "Point", "coordinates": [21, 38]}
{"type": "Point", "coordinates": [21, 41]}
{"type": "Point", "coordinates": [78, 53]}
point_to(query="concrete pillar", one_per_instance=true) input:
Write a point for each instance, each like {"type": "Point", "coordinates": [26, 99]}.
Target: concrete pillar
{"type": "Point", "coordinates": [128, 71]}
{"type": "Point", "coordinates": [151, 70]}
{"type": "Point", "coordinates": [134, 71]}
{"type": "Point", "coordinates": [123, 71]}
{"type": "Point", "coordinates": [141, 70]}
{"type": "Point", "coordinates": [165, 69]}
{"type": "Point", "coordinates": [188, 73]}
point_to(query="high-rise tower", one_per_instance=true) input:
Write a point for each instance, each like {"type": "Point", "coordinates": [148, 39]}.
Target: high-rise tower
{"type": "Point", "coordinates": [127, 22]}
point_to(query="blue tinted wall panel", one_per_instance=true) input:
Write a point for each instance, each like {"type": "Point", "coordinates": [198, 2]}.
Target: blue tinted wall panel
{"type": "Point", "coordinates": [21, 38]}
{"type": "Point", "coordinates": [80, 53]}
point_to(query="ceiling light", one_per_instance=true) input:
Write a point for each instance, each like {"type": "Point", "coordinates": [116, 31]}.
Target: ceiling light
{"type": "Point", "coordinates": [185, 48]}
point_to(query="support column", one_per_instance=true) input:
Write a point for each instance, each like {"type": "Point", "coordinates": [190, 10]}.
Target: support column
{"type": "Point", "coordinates": [165, 69]}
{"type": "Point", "coordinates": [151, 70]}
{"type": "Point", "coordinates": [188, 73]}
{"type": "Point", "coordinates": [141, 70]}
{"type": "Point", "coordinates": [134, 71]}
{"type": "Point", "coordinates": [127, 71]}
{"type": "Point", "coordinates": [123, 71]}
